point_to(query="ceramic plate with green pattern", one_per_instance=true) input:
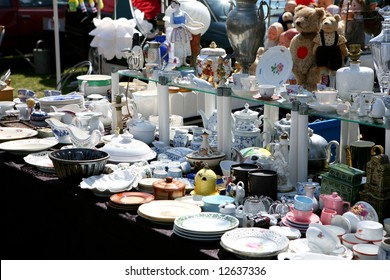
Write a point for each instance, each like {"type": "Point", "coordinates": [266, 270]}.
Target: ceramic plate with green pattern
{"type": "Point", "coordinates": [206, 223]}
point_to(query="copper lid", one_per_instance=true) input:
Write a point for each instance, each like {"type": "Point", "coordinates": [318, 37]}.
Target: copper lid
{"type": "Point", "coordinates": [168, 184]}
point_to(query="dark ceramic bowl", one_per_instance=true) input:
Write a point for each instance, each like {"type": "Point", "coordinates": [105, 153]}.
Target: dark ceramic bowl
{"type": "Point", "coordinates": [73, 165]}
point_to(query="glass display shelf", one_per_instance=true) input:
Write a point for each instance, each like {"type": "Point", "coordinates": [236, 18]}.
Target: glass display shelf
{"type": "Point", "coordinates": [349, 117]}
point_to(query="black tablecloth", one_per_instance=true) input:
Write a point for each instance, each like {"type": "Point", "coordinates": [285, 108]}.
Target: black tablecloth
{"type": "Point", "coordinates": [45, 218]}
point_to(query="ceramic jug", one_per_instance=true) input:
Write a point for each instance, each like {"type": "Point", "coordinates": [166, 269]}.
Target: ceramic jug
{"type": "Point", "coordinates": [103, 106]}
{"type": "Point", "coordinates": [335, 202]}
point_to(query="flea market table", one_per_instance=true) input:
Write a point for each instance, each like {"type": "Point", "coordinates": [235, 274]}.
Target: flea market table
{"type": "Point", "coordinates": [45, 218]}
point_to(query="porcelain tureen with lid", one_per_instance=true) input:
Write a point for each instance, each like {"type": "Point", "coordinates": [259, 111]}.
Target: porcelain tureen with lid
{"type": "Point", "coordinates": [124, 148]}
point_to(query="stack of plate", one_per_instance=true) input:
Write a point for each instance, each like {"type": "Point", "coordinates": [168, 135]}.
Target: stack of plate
{"type": "Point", "coordinates": [290, 221]}
{"type": "Point", "coordinates": [129, 200]}
{"type": "Point", "coordinates": [254, 243]}
{"type": "Point", "coordinates": [146, 184]}
{"type": "Point", "coordinates": [166, 211]}
{"type": "Point", "coordinates": [205, 226]}
{"type": "Point", "coordinates": [60, 101]}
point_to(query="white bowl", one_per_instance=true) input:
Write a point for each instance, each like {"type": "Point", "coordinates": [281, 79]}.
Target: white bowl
{"type": "Point", "coordinates": [365, 251]}
{"type": "Point", "coordinates": [199, 161]}
{"type": "Point", "coordinates": [225, 166]}
{"type": "Point", "coordinates": [369, 231]}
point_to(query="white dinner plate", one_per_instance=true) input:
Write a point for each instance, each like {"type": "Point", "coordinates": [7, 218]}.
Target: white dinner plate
{"type": "Point", "coordinates": [206, 223]}
{"type": "Point", "coordinates": [274, 66]}
{"type": "Point", "coordinates": [26, 146]}
{"type": "Point", "coordinates": [41, 161]}
{"type": "Point", "coordinates": [254, 242]}
{"type": "Point", "coordinates": [14, 133]}
{"type": "Point", "coordinates": [166, 211]}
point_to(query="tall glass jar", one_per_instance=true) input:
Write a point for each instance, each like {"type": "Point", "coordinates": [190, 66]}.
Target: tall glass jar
{"type": "Point", "coordinates": [354, 77]}
{"type": "Point", "coordinates": [380, 49]}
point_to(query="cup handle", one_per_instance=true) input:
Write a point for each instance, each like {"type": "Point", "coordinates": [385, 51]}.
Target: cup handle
{"type": "Point", "coordinates": [348, 204]}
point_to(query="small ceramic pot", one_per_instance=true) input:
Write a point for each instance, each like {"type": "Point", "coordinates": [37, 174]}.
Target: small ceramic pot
{"type": "Point", "coordinates": [168, 188]}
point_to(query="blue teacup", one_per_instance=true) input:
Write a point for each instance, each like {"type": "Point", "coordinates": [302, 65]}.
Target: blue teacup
{"type": "Point", "coordinates": [303, 202]}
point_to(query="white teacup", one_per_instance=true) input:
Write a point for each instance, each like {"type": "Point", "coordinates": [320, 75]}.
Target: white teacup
{"type": "Point", "coordinates": [267, 91]}
{"type": "Point", "coordinates": [326, 97]}
{"type": "Point", "coordinates": [322, 240]}
{"type": "Point", "coordinates": [237, 79]}
{"type": "Point", "coordinates": [369, 231]}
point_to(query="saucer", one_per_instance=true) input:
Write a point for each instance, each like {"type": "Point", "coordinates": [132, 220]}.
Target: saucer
{"type": "Point", "coordinates": [313, 219]}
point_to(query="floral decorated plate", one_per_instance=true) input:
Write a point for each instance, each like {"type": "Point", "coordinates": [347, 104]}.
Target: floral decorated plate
{"type": "Point", "coordinates": [365, 211]}
{"type": "Point", "coordinates": [254, 242]}
{"type": "Point", "coordinates": [274, 66]}
{"type": "Point", "coordinates": [13, 133]}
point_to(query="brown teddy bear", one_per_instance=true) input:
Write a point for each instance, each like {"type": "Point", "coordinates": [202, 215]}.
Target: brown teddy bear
{"type": "Point", "coordinates": [307, 21]}
{"type": "Point", "coordinates": [330, 47]}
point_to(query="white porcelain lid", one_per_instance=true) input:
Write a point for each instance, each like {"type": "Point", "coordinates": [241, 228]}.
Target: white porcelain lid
{"type": "Point", "coordinates": [246, 113]}
{"type": "Point", "coordinates": [124, 148]}
{"type": "Point", "coordinates": [140, 125]}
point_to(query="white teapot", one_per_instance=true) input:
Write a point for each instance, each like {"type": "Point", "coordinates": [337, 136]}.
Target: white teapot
{"type": "Point", "coordinates": [103, 106]}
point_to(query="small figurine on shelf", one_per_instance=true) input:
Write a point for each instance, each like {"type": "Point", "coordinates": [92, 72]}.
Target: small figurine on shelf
{"type": "Point", "coordinates": [181, 37]}
{"type": "Point", "coordinates": [237, 67]}
{"type": "Point", "coordinates": [221, 72]}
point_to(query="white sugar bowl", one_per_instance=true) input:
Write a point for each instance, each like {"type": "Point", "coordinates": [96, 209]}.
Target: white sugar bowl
{"type": "Point", "coordinates": [142, 130]}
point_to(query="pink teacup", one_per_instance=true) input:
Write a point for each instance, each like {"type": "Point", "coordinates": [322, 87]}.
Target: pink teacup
{"type": "Point", "coordinates": [327, 215]}
{"type": "Point", "coordinates": [302, 216]}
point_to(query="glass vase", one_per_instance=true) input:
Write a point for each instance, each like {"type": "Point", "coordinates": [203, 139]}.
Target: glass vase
{"type": "Point", "coordinates": [380, 49]}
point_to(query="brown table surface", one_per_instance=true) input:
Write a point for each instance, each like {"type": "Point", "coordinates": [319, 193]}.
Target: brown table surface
{"type": "Point", "coordinates": [45, 218]}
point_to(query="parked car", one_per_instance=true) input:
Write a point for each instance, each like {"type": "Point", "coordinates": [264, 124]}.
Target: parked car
{"type": "Point", "coordinates": [26, 22]}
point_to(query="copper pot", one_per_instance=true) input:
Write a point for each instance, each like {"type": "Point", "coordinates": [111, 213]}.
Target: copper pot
{"type": "Point", "coordinates": [168, 188]}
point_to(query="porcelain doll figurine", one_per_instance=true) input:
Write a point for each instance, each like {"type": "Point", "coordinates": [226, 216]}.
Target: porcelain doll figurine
{"type": "Point", "coordinates": [181, 36]}
{"type": "Point", "coordinates": [272, 40]}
